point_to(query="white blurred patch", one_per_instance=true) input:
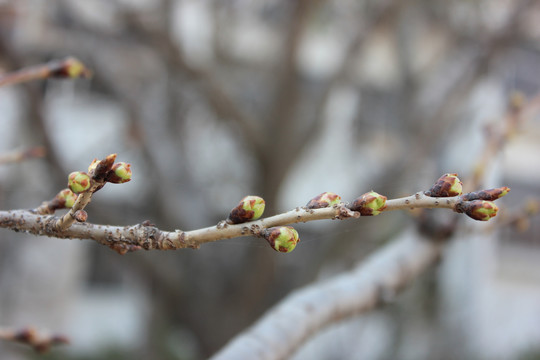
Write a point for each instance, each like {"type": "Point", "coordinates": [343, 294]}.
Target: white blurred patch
{"type": "Point", "coordinates": [107, 318]}
{"type": "Point", "coordinates": [320, 54]}
{"type": "Point", "coordinates": [193, 28]}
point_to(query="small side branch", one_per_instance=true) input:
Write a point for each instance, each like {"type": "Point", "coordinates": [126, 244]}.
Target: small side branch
{"type": "Point", "coordinates": [82, 200]}
{"type": "Point", "coordinates": [66, 68]}
{"type": "Point", "coordinates": [40, 342]}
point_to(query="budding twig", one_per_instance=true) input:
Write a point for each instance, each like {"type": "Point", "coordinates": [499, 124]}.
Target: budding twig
{"type": "Point", "coordinates": [150, 237]}
{"type": "Point", "coordinates": [86, 185]}
{"type": "Point", "coordinates": [82, 200]}
{"type": "Point", "coordinates": [30, 336]}
{"type": "Point", "coordinates": [66, 68]}
{"type": "Point", "coordinates": [243, 220]}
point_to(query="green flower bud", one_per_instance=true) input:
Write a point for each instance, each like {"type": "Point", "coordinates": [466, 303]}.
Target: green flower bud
{"type": "Point", "coordinates": [78, 181]}
{"type": "Point", "coordinates": [323, 200]}
{"type": "Point", "coordinates": [447, 185]}
{"type": "Point", "coordinates": [369, 204]}
{"type": "Point", "coordinates": [250, 208]}
{"type": "Point", "coordinates": [480, 209]}
{"type": "Point", "coordinates": [489, 195]}
{"type": "Point", "coordinates": [67, 197]}
{"type": "Point", "coordinates": [119, 174]}
{"type": "Point", "coordinates": [281, 238]}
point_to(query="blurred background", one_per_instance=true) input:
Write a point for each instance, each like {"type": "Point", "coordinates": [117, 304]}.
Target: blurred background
{"type": "Point", "coordinates": [214, 100]}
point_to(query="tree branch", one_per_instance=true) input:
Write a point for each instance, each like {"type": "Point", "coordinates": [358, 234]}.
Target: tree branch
{"type": "Point", "coordinates": [304, 312]}
{"type": "Point", "coordinates": [149, 237]}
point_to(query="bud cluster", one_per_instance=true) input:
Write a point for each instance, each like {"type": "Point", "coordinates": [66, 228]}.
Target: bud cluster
{"type": "Point", "coordinates": [109, 171]}
{"type": "Point", "coordinates": [477, 205]}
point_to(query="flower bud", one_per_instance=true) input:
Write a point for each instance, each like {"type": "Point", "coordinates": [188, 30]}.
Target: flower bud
{"type": "Point", "coordinates": [69, 68]}
{"type": "Point", "coordinates": [447, 185]}
{"type": "Point", "coordinates": [102, 168]}
{"type": "Point", "coordinates": [369, 204]}
{"type": "Point", "coordinates": [250, 208]}
{"type": "Point", "coordinates": [480, 209]}
{"type": "Point", "coordinates": [67, 197]}
{"type": "Point", "coordinates": [489, 195]}
{"type": "Point", "coordinates": [119, 174]}
{"type": "Point", "coordinates": [78, 181]}
{"type": "Point", "coordinates": [281, 238]}
{"type": "Point", "coordinates": [323, 200]}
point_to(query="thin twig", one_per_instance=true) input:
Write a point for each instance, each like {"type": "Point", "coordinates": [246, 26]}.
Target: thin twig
{"type": "Point", "coordinates": [216, 95]}
{"type": "Point", "coordinates": [30, 336]}
{"type": "Point", "coordinates": [69, 67]}
{"type": "Point", "coordinates": [82, 200]}
{"type": "Point", "coordinates": [150, 237]}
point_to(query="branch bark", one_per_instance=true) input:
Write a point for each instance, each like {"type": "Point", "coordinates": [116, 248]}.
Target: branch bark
{"type": "Point", "coordinates": [288, 325]}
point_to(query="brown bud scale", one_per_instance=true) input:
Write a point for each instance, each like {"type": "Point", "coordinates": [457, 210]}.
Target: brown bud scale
{"type": "Point", "coordinates": [239, 215]}
{"type": "Point", "coordinates": [103, 167]}
{"type": "Point", "coordinates": [444, 186]}
{"type": "Point", "coordinates": [488, 195]}
{"type": "Point", "coordinates": [322, 200]}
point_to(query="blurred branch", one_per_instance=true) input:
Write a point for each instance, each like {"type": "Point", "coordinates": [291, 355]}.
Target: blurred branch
{"type": "Point", "coordinates": [441, 115]}
{"type": "Point", "coordinates": [21, 155]}
{"type": "Point", "coordinates": [33, 115]}
{"type": "Point", "coordinates": [67, 68]}
{"type": "Point", "coordinates": [30, 336]}
{"type": "Point", "coordinates": [216, 96]}
{"type": "Point", "coordinates": [380, 16]}
{"type": "Point", "coordinates": [288, 83]}
{"type": "Point", "coordinates": [306, 311]}
{"type": "Point", "coordinates": [520, 217]}
{"type": "Point", "coordinates": [519, 110]}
